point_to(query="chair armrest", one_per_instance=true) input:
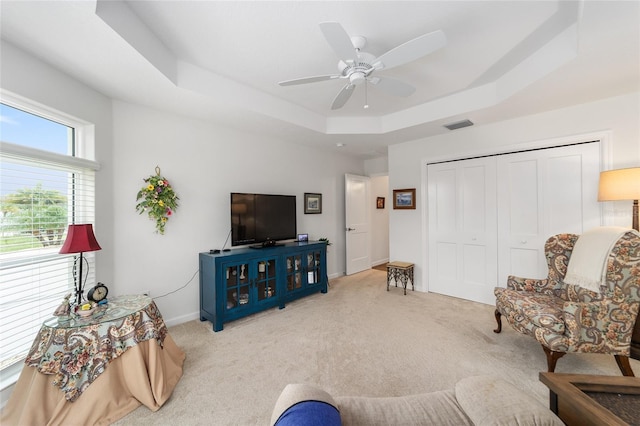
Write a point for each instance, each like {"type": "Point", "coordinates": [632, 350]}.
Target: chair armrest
{"type": "Point", "coordinates": [529, 284]}
{"type": "Point", "coordinates": [600, 326]}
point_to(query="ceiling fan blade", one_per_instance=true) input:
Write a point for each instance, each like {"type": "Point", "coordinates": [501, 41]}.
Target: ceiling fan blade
{"type": "Point", "coordinates": [393, 86]}
{"type": "Point", "coordinates": [339, 41]}
{"type": "Point", "coordinates": [306, 80]}
{"type": "Point", "coordinates": [411, 50]}
{"type": "Point", "coordinates": [343, 96]}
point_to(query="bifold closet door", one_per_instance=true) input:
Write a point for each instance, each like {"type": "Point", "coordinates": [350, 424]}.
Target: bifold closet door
{"type": "Point", "coordinates": [462, 228]}
{"type": "Point", "coordinates": [490, 217]}
{"type": "Point", "coordinates": [542, 193]}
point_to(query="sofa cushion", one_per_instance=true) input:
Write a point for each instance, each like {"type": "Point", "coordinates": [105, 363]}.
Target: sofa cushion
{"type": "Point", "coordinates": [489, 401]}
{"type": "Point", "coordinates": [436, 408]}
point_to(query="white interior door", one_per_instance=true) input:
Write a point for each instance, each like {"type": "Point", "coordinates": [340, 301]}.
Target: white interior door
{"type": "Point", "coordinates": [542, 193]}
{"type": "Point", "coordinates": [462, 228]}
{"type": "Point", "coordinates": [357, 223]}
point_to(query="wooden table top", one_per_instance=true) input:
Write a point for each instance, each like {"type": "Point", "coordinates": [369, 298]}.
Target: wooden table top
{"type": "Point", "coordinates": [594, 400]}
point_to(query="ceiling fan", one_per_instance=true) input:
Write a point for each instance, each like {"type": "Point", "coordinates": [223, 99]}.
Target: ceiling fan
{"type": "Point", "coordinates": [358, 67]}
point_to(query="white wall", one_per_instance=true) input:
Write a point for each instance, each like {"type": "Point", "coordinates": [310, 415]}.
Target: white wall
{"type": "Point", "coordinates": [204, 163]}
{"type": "Point", "coordinates": [377, 166]}
{"type": "Point", "coordinates": [407, 161]}
{"type": "Point", "coordinates": [380, 220]}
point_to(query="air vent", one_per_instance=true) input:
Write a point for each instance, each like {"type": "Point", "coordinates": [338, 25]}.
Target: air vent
{"type": "Point", "coordinates": [459, 124]}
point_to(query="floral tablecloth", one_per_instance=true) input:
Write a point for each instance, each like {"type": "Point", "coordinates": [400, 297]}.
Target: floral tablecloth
{"type": "Point", "coordinates": [78, 351]}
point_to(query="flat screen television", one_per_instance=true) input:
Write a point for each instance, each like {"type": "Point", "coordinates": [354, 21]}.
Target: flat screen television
{"type": "Point", "coordinates": [262, 219]}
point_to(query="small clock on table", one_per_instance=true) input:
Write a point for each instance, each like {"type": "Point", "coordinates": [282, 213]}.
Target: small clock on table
{"type": "Point", "coordinates": [98, 294]}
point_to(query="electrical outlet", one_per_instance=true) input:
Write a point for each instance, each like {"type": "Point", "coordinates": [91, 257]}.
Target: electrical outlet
{"type": "Point", "coordinates": [147, 293]}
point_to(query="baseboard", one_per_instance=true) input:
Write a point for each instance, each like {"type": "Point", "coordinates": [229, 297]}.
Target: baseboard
{"type": "Point", "coordinates": [379, 262]}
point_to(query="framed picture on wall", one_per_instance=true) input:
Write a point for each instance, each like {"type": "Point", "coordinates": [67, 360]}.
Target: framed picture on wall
{"type": "Point", "coordinates": [404, 198]}
{"type": "Point", "coordinates": [312, 203]}
{"type": "Point", "coordinates": [380, 203]}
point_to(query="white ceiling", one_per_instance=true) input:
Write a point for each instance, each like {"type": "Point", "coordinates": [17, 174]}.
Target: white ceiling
{"type": "Point", "coordinates": [222, 60]}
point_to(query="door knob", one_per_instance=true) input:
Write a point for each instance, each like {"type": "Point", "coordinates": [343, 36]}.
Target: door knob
{"type": "Point", "coordinates": [351, 229]}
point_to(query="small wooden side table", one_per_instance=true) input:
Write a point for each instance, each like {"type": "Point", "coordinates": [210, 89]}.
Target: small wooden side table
{"type": "Point", "coordinates": [402, 271]}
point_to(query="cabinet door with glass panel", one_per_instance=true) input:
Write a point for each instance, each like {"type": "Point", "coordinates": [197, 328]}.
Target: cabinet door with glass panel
{"type": "Point", "coordinates": [238, 286]}
{"type": "Point", "coordinates": [314, 275]}
{"type": "Point", "coordinates": [304, 270]}
{"type": "Point", "coordinates": [294, 272]}
{"type": "Point", "coordinates": [264, 276]}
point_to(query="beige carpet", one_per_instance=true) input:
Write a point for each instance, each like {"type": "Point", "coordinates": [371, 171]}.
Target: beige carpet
{"type": "Point", "coordinates": [358, 339]}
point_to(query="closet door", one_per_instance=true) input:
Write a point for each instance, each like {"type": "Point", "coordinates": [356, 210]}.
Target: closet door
{"type": "Point", "coordinates": [490, 217]}
{"type": "Point", "coordinates": [542, 193]}
{"type": "Point", "coordinates": [462, 229]}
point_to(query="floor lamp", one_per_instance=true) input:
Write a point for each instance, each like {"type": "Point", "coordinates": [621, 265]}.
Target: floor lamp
{"type": "Point", "coordinates": [80, 238]}
{"type": "Point", "coordinates": [621, 184]}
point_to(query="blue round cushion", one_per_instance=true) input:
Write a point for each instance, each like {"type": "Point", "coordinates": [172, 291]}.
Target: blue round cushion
{"type": "Point", "coordinates": [310, 413]}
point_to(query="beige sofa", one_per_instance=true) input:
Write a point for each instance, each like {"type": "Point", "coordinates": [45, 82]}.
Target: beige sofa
{"type": "Point", "coordinates": [478, 400]}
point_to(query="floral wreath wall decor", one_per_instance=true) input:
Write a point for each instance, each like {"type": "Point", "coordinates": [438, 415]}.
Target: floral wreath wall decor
{"type": "Point", "coordinates": [158, 199]}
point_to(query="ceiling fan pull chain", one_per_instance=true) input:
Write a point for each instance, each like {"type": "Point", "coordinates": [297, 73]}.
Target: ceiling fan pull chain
{"type": "Point", "coordinates": [366, 97]}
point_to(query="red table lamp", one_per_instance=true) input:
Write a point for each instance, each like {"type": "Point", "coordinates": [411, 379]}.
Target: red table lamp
{"type": "Point", "coordinates": [80, 238]}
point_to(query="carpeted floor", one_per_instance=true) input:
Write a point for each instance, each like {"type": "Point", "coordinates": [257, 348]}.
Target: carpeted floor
{"type": "Point", "coordinates": [358, 339]}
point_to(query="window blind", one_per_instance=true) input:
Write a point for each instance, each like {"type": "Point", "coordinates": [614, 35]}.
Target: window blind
{"type": "Point", "coordinates": [42, 193]}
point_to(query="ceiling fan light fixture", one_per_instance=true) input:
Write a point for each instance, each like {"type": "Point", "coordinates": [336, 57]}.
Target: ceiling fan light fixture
{"type": "Point", "coordinates": [366, 96]}
{"type": "Point", "coordinates": [357, 78]}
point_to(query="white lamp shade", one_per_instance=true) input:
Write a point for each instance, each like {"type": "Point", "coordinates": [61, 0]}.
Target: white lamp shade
{"type": "Point", "coordinates": [620, 184]}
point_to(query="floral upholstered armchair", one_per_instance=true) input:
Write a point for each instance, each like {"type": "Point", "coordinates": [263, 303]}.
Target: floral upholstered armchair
{"type": "Point", "coordinates": [569, 318]}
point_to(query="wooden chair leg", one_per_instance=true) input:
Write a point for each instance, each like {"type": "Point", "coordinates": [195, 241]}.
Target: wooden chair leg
{"type": "Point", "coordinates": [499, 321]}
{"type": "Point", "coordinates": [552, 358]}
{"type": "Point", "coordinates": [623, 364]}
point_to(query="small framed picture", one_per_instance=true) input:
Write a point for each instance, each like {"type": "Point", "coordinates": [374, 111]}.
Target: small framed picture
{"type": "Point", "coordinates": [312, 203]}
{"type": "Point", "coordinates": [303, 238]}
{"type": "Point", "coordinates": [380, 203]}
{"type": "Point", "coordinates": [404, 198]}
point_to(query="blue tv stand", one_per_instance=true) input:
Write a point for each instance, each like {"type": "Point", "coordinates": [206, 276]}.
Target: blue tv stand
{"type": "Point", "coordinates": [244, 281]}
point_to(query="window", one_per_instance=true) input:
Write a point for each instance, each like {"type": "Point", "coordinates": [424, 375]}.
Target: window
{"type": "Point", "coordinates": [44, 187]}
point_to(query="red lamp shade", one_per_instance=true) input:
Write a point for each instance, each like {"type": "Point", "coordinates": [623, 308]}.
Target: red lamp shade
{"type": "Point", "coordinates": [80, 238]}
